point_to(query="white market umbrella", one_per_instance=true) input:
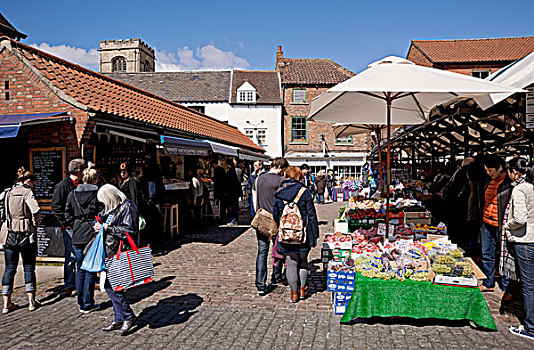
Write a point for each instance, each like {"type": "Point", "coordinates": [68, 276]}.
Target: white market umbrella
{"type": "Point", "coordinates": [395, 91]}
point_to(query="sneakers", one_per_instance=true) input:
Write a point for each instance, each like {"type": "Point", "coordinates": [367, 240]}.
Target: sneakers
{"type": "Point", "coordinates": [90, 309]}
{"type": "Point", "coordinates": [520, 331]}
{"type": "Point", "coordinates": [262, 292]}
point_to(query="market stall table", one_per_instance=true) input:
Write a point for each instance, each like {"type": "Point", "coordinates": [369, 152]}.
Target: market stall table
{"type": "Point", "coordinates": [377, 297]}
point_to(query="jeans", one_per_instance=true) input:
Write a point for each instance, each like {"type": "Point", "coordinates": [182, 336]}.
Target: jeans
{"type": "Point", "coordinates": [11, 256]}
{"type": "Point", "coordinates": [121, 308]}
{"type": "Point", "coordinates": [69, 267]}
{"type": "Point", "coordinates": [261, 261]}
{"type": "Point", "coordinates": [320, 198]}
{"type": "Point", "coordinates": [489, 240]}
{"type": "Point", "coordinates": [524, 254]}
{"type": "Point", "coordinates": [252, 211]}
{"type": "Point", "coordinates": [85, 280]}
{"type": "Point", "coordinates": [297, 269]}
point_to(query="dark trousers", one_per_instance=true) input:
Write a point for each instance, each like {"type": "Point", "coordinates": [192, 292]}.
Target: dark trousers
{"type": "Point", "coordinates": [524, 255]}
{"type": "Point", "coordinates": [11, 256]}
{"type": "Point", "coordinates": [234, 206]}
{"type": "Point", "coordinates": [85, 280]}
{"type": "Point", "coordinates": [69, 266]}
{"type": "Point", "coordinates": [121, 308]}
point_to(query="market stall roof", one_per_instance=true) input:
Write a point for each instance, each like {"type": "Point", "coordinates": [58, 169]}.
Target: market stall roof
{"type": "Point", "coordinates": [10, 123]}
{"type": "Point", "coordinates": [463, 127]}
{"type": "Point", "coordinates": [181, 146]}
{"type": "Point", "coordinates": [97, 93]}
{"type": "Point", "coordinates": [223, 149]}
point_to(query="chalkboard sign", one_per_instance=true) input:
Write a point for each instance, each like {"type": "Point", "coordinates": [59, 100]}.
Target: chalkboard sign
{"type": "Point", "coordinates": [48, 164]}
{"type": "Point", "coordinates": [89, 154]}
{"type": "Point", "coordinates": [49, 236]}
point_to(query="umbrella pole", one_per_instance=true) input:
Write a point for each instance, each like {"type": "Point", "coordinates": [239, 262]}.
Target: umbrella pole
{"type": "Point", "coordinates": [388, 100]}
{"type": "Point", "coordinates": [380, 163]}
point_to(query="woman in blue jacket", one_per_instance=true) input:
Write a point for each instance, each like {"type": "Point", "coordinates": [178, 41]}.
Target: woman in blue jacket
{"type": "Point", "coordinates": [297, 254]}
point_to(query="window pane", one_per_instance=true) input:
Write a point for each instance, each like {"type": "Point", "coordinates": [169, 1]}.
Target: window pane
{"type": "Point", "coordinates": [262, 138]}
{"type": "Point", "coordinates": [298, 129]}
{"type": "Point", "coordinates": [299, 95]}
{"type": "Point", "coordinates": [344, 139]}
{"type": "Point", "coordinates": [249, 133]}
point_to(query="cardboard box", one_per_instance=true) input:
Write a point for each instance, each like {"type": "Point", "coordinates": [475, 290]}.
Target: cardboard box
{"type": "Point", "coordinates": [340, 301]}
{"type": "Point", "coordinates": [418, 217]}
{"type": "Point", "coordinates": [340, 280]}
{"type": "Point", "coordinates": [456, 281]}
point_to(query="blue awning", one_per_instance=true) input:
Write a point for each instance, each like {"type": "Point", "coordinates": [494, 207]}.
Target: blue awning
{"type": "Point", "coordinates": [10, 123]}
{"type": "Point", "coordinates": [187, 147]}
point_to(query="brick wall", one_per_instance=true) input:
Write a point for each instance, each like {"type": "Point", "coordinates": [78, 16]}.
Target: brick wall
{"type": "Point", "coordinates": [468, 68]}
{"type": "Point", "coordinates": [315, 129]}
{"type": "Point", "coordinates": [28, 95]}
{"type": "Point", "coordinates": [417, 57]}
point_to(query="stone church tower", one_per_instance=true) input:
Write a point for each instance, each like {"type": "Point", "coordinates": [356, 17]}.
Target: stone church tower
{"type": "Point", "coordinates": [126, 56]}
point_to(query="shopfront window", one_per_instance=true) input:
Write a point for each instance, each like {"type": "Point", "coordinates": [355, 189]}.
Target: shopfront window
{"type": "Point", "coordinates": [348, 172]}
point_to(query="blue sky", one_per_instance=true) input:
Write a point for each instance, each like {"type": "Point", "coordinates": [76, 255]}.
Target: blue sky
{"type": "Point", "coordinates": [200, 34]}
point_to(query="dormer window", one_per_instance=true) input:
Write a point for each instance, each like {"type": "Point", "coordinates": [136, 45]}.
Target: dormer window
{"type": "Point", "coordinates": [246, 93]}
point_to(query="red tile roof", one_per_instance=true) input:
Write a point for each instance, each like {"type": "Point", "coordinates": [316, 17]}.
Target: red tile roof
{"type": "Point", "coordinates": [475, 50]}
{"type": "Point", "coordinates": [311, 71]}
{"type": "Point", "coordinates": [100, 93]}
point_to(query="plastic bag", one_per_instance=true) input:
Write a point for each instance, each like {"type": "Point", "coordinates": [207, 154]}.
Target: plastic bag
{"type": "Point", "coordinates": [94, 261]}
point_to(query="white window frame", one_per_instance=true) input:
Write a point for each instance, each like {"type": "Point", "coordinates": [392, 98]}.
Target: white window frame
{"type": "Point", "coordinates": [301, 99]}
{"type": "Point", "coordinates": [478, 72]}
{"type": "Point", "coordinates": [258, 137]}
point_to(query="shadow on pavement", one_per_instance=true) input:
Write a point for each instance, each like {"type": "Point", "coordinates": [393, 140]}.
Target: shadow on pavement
{"type": "Point", "coordinates": [316, 278]}
{"type": "Point", "coordinates": [169, 311]}
{"type": "Point", "coordinates": [137, 294]}
{"type": "Point", "coordinates": [222, 235]}
{"type": "Point", "coordinates": [409, 321]}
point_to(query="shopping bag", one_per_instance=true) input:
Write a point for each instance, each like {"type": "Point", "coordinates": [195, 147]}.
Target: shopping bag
{"type": "Point", "coordinates": [130, 268]}
{"type": "Point", "coordinates": [264, 223]}
{"type": "Point", "coordinates": [94, 260]}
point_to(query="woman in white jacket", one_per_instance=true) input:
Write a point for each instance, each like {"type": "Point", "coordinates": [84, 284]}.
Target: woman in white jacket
{"type": "Point", "coordinates": [519, 226]}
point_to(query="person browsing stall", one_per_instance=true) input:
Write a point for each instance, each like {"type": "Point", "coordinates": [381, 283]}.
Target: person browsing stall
{"type": "Point", "coordinates": [519, 228]}
{"type": "Point", "coordinates": [297, 254]}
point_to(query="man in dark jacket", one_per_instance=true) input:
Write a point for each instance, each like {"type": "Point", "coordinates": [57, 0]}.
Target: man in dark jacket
{"type": "Point", "coordinates": [308, 180]}
{"type": "Point", "coordinates": [263, 193]}
{"type": "Point", "coordinates": [59, 201]}
{"type": "Point", "coordinates": [494, 200]}
{"type": "Point", "coordinates": [234, 192]}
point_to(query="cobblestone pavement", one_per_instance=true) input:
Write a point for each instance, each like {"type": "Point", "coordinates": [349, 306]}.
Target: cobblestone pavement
{"type": "Point", "coordinates": [204, 298]}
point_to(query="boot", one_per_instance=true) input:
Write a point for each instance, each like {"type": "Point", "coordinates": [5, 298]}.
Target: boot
{"type": "Point", "coordinates": [112, 327]}
{"type": "Point", "coordinates": [127, 325]}
{"type": "Point", "coordinates": [294, 296]}
{"type": "Point", "coordinates": [303, 292]}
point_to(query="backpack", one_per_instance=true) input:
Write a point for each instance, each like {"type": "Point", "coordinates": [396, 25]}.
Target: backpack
{"type": "Point", "coordinates": [3, 196]}
{"type": "Point", "coordinates": [291, 228]}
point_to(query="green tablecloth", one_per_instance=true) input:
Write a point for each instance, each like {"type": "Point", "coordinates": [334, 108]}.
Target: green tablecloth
{"type": "Point", "coordinates": [376, 297]}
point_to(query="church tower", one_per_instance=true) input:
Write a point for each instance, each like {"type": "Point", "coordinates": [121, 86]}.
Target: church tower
{"type": "Point", "coordinates": [126, 56]}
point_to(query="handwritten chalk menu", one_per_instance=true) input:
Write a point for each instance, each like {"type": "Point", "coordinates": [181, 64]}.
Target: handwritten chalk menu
{"type": "Point", "coordinates": [49, 236]}
{"type": "Point", "coordinates": [48, 164]}
{"type": "Point", "coordinates": [89, 154]}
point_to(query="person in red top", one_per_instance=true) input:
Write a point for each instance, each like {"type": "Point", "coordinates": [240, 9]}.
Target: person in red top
{"type": "Point", "coordinates": [496, 197]}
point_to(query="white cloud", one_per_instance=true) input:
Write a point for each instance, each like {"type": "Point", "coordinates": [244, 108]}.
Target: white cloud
{"type": "Point", "coordinates": [86, 58]}
{"type": "Point", "coordinates": [207, 57]}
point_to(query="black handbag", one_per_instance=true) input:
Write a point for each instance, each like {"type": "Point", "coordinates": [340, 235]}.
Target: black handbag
{"type": "Point", "coordinates": [15, 239]}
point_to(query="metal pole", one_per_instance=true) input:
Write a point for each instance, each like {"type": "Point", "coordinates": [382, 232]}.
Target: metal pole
{"type": "Point", "coordinates": [388, 100]}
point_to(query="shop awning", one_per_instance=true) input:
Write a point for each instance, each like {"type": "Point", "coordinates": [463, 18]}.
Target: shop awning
{"type": "Point", "coordinates": [223, 149]}
{"type": "Point", "coordinates": [244, 155]}
{"type": "Point", "coordinates": [10, 123]}
{"type": "Point", "coordinates": [186, 147]}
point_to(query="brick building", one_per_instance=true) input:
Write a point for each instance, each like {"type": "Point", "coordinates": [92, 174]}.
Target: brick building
{"type": "Point", "coordinates": [47, 102]}
{"type": "Point", "coordinates": [311, 142]}
{"type": "Point", "coordinates": [475, 57]}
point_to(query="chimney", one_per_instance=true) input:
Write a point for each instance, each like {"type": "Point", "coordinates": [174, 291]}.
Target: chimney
{"type": "Point", "coordinates": [279, 56]}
